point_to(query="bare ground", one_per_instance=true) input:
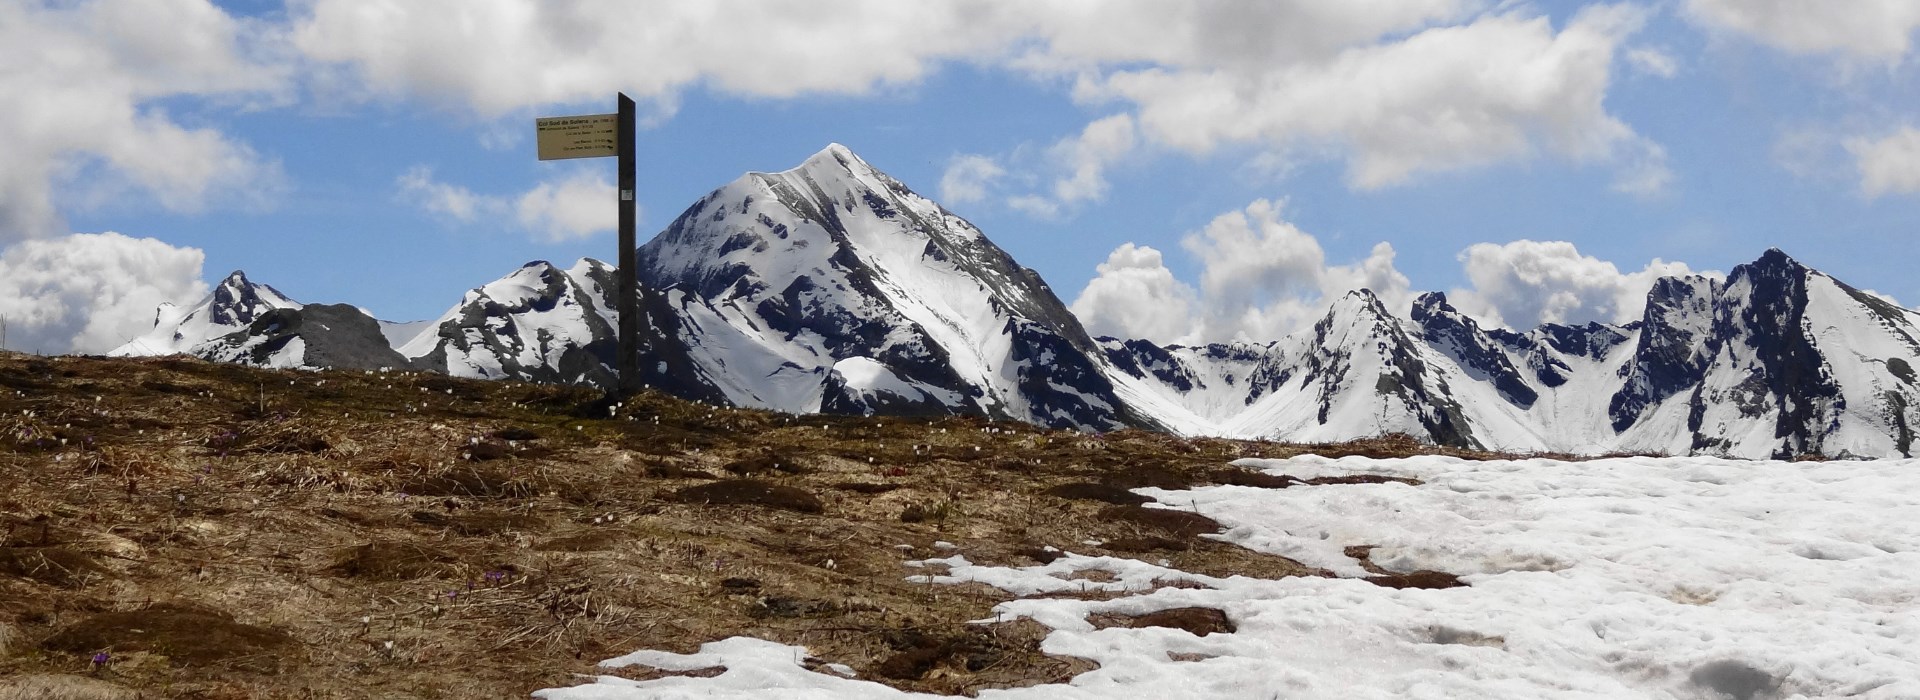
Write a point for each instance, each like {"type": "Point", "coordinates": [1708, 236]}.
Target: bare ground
{"type": "Point", "coordinates": [175, 528]}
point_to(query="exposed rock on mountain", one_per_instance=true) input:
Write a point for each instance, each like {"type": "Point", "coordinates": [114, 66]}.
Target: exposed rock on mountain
{"type": "Point", "coordinates": [832, 287]}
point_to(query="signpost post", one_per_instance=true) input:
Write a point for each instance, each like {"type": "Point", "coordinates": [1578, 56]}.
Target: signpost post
{"type": "Point", "coordinates": [599, 136]}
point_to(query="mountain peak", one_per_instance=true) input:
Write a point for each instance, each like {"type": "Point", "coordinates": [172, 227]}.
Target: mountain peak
{"type": "Point", "coordinates": [1358, 301]}
{"type": "Point", "coordinates": [1776, 259]}
{"type": "Point", "coordinates": [833, 157]}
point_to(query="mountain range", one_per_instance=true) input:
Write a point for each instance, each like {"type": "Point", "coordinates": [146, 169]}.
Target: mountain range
{"type": "Point", "coordinates": [832, 287]}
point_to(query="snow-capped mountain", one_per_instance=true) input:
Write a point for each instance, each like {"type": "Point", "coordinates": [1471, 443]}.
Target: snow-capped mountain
{"type": "Point", "coordinates": [539, 323]}
{"type": "Point", "coordinates": [250, 323]}
{"type": "Point", "coordinates": [1780, 360]}
{"type": "Point", "coordinates": [832, 287]}
{"type": "Point", "coordinates": [232, 306]}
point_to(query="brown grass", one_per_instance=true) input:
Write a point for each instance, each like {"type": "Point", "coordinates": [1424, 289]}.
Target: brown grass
{"type": "Point", "coordinates": [411, 535]}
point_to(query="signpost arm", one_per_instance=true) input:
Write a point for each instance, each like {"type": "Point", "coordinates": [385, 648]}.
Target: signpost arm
{"type": "Point", "coordinates": [629, 302]}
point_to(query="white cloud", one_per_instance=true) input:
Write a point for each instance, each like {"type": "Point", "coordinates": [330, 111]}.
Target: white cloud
{"type": "Point", "coordinates": [1651, 61]}
{"type": "Point", "coordinates": [1813, 152]}
{"type": "Point", "coordinates": [450, 202]}
{"type": "Point", "coordinates": [1526, 283]}
{"type": "Point", "coordinates": [1077, 166]}
{"type": "Point", "coordinates": [1868, 29]}
{"type": "Point", "coordinates": [968, 178]}
{"type": "Point", "coordinates": [1890, 164]}
{"type": "Point", "coordinates": [498, 56]}
{"type": "Point", "coordinates": [1036, 206]}
{"type": "Point", "coordinates": [86, 123]}
{"type": "Point", "coordinates": [1396, 88]}
{"type": "Point", "coordinates": [1501, 87]}
{"type": "Point", "coordinates": [1261, 278]}
{"type": "Point", "coordinates": [1643, 170]}
{"type": "Point", "coordinates": [1883, 297]}
{"type": "Point", "coordinates": [1136, 296]}
{"type": "Point", "coordinates": [91, 292]}
{"type": "Point", "coordinates": [575, 206]}
{"type": "Point", "coordinates": [1087, 157]}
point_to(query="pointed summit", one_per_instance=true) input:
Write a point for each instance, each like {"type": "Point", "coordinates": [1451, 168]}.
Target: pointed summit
{"type": "Point", "coordinates": [834, 155]}
{"type": "Point", "coordinates": [234, 304]}
{"type": "Point", "coordinates": [1774, 263]}
{"type": "Point", "coordinates": [834, 260]}
{"type": "Point", "coordinates": [1460, 338]}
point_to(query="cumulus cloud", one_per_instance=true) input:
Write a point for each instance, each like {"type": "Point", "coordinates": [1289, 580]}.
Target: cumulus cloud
{"type": "Point", "coordinates": [1503, 86]}
{"type": "Point", "coordinates": [1078, 167]}
{"type": "Point", "coordinates": [575, 206]}
{"type": "Point", "coordinates": [92, 78]}
{"type": "Point", "coordinates": [1867, 29]}
{"type": "Point", "coordinates": [1397, 89]}
{"type": "Point", "coordinates": [498, 56]}
{"type": "Point", "coordinates": [1890, 164]}
{"type": "Point", "coordinates": [969, 177]}
{"type": "Point", "coordinates": [91, 292]}
{"type": "Point", "coordinates": [1261, 278]}
{"type": "Point", "coordinates": [1136, 296]}
{"type": "Point", "coordinates": [1526, 283]}
{"type": "Point", "coordinates": [579, 206]}
{"type": "Point", "coordinates": [1087, 157]}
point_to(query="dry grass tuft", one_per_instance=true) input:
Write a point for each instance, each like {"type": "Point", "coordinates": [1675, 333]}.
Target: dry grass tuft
{"type": "Point", "coordinates": [752, 492]}
{"type": "Point", "coordinates": [1175, 523]}
{"type": "Point", "coordinates": [1097, 492]}
{"type": "Point", "coordinates": [54, 566]}
{"type": "Point", "coordinates": [185, 635]}
{"type": "Point", "coordinates": [64, 687]}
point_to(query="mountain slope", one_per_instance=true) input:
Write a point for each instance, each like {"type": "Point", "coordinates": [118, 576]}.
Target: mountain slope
{"type": "Point", "coordinates": [832, 287]}
{"type": "Point", "coordinates": [776, 280]}
{"type": "Point", "coordinates": [1778, 361]}
{"type": "Point", "coordinates": [231, 307]}
{"type": "Point", "coordinates": [539, 323]}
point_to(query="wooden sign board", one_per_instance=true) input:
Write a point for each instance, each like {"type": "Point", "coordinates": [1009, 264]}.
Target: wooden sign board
{"type": "Point", "coordinates": [583, 136]}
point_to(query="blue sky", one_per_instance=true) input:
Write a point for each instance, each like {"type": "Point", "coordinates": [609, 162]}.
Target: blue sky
{"type": "Point", "coordinates": [1177, 172]}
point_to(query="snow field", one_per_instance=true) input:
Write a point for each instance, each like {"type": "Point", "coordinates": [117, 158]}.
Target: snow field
{"type": "Point", "coordinates": [1621, 578]}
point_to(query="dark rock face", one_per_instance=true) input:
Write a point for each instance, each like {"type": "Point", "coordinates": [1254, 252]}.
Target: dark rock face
{"type": "Point", "coordinates": [838, 397]}
{"type": "Point", "coordinates": [834, 288]}
{"type": "Point", "coordinates": [1063, 385]}
{"type": "Point", "coordinates": [1676, 344]}
{"type": "Point", "coordinates": [502, 323]}
{"type": "Point", "coordinates": [789, 261]}
{"type": "Point", "coordinates": [1541, 350]}
{"type": "Point", "coordinates": [237, 301]}
{"type": "Point", "coordinates": [1759, 322]}
{"type": "Point", "coordinates": [1141, 358]}
{"type": "Point", "coordinates": [664, 358]}
{"type": "Point", "coordinates": [1406, 380]}
{"type": "Point", "coordinates": [1459, 337]}
{"type": "Point", "coordinates": [333, 335]}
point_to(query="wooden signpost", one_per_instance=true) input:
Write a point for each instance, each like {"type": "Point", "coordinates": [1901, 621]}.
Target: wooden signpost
{"type": "Point", "coordinates": [599, 136]}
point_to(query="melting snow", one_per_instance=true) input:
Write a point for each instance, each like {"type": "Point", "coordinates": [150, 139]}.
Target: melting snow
{"type": "Point", "coordinates": [1659, 578]}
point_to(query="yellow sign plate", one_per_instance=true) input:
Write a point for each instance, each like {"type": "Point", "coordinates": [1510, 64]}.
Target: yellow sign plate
{"type": "Point", "coordinates": [584, 136]}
